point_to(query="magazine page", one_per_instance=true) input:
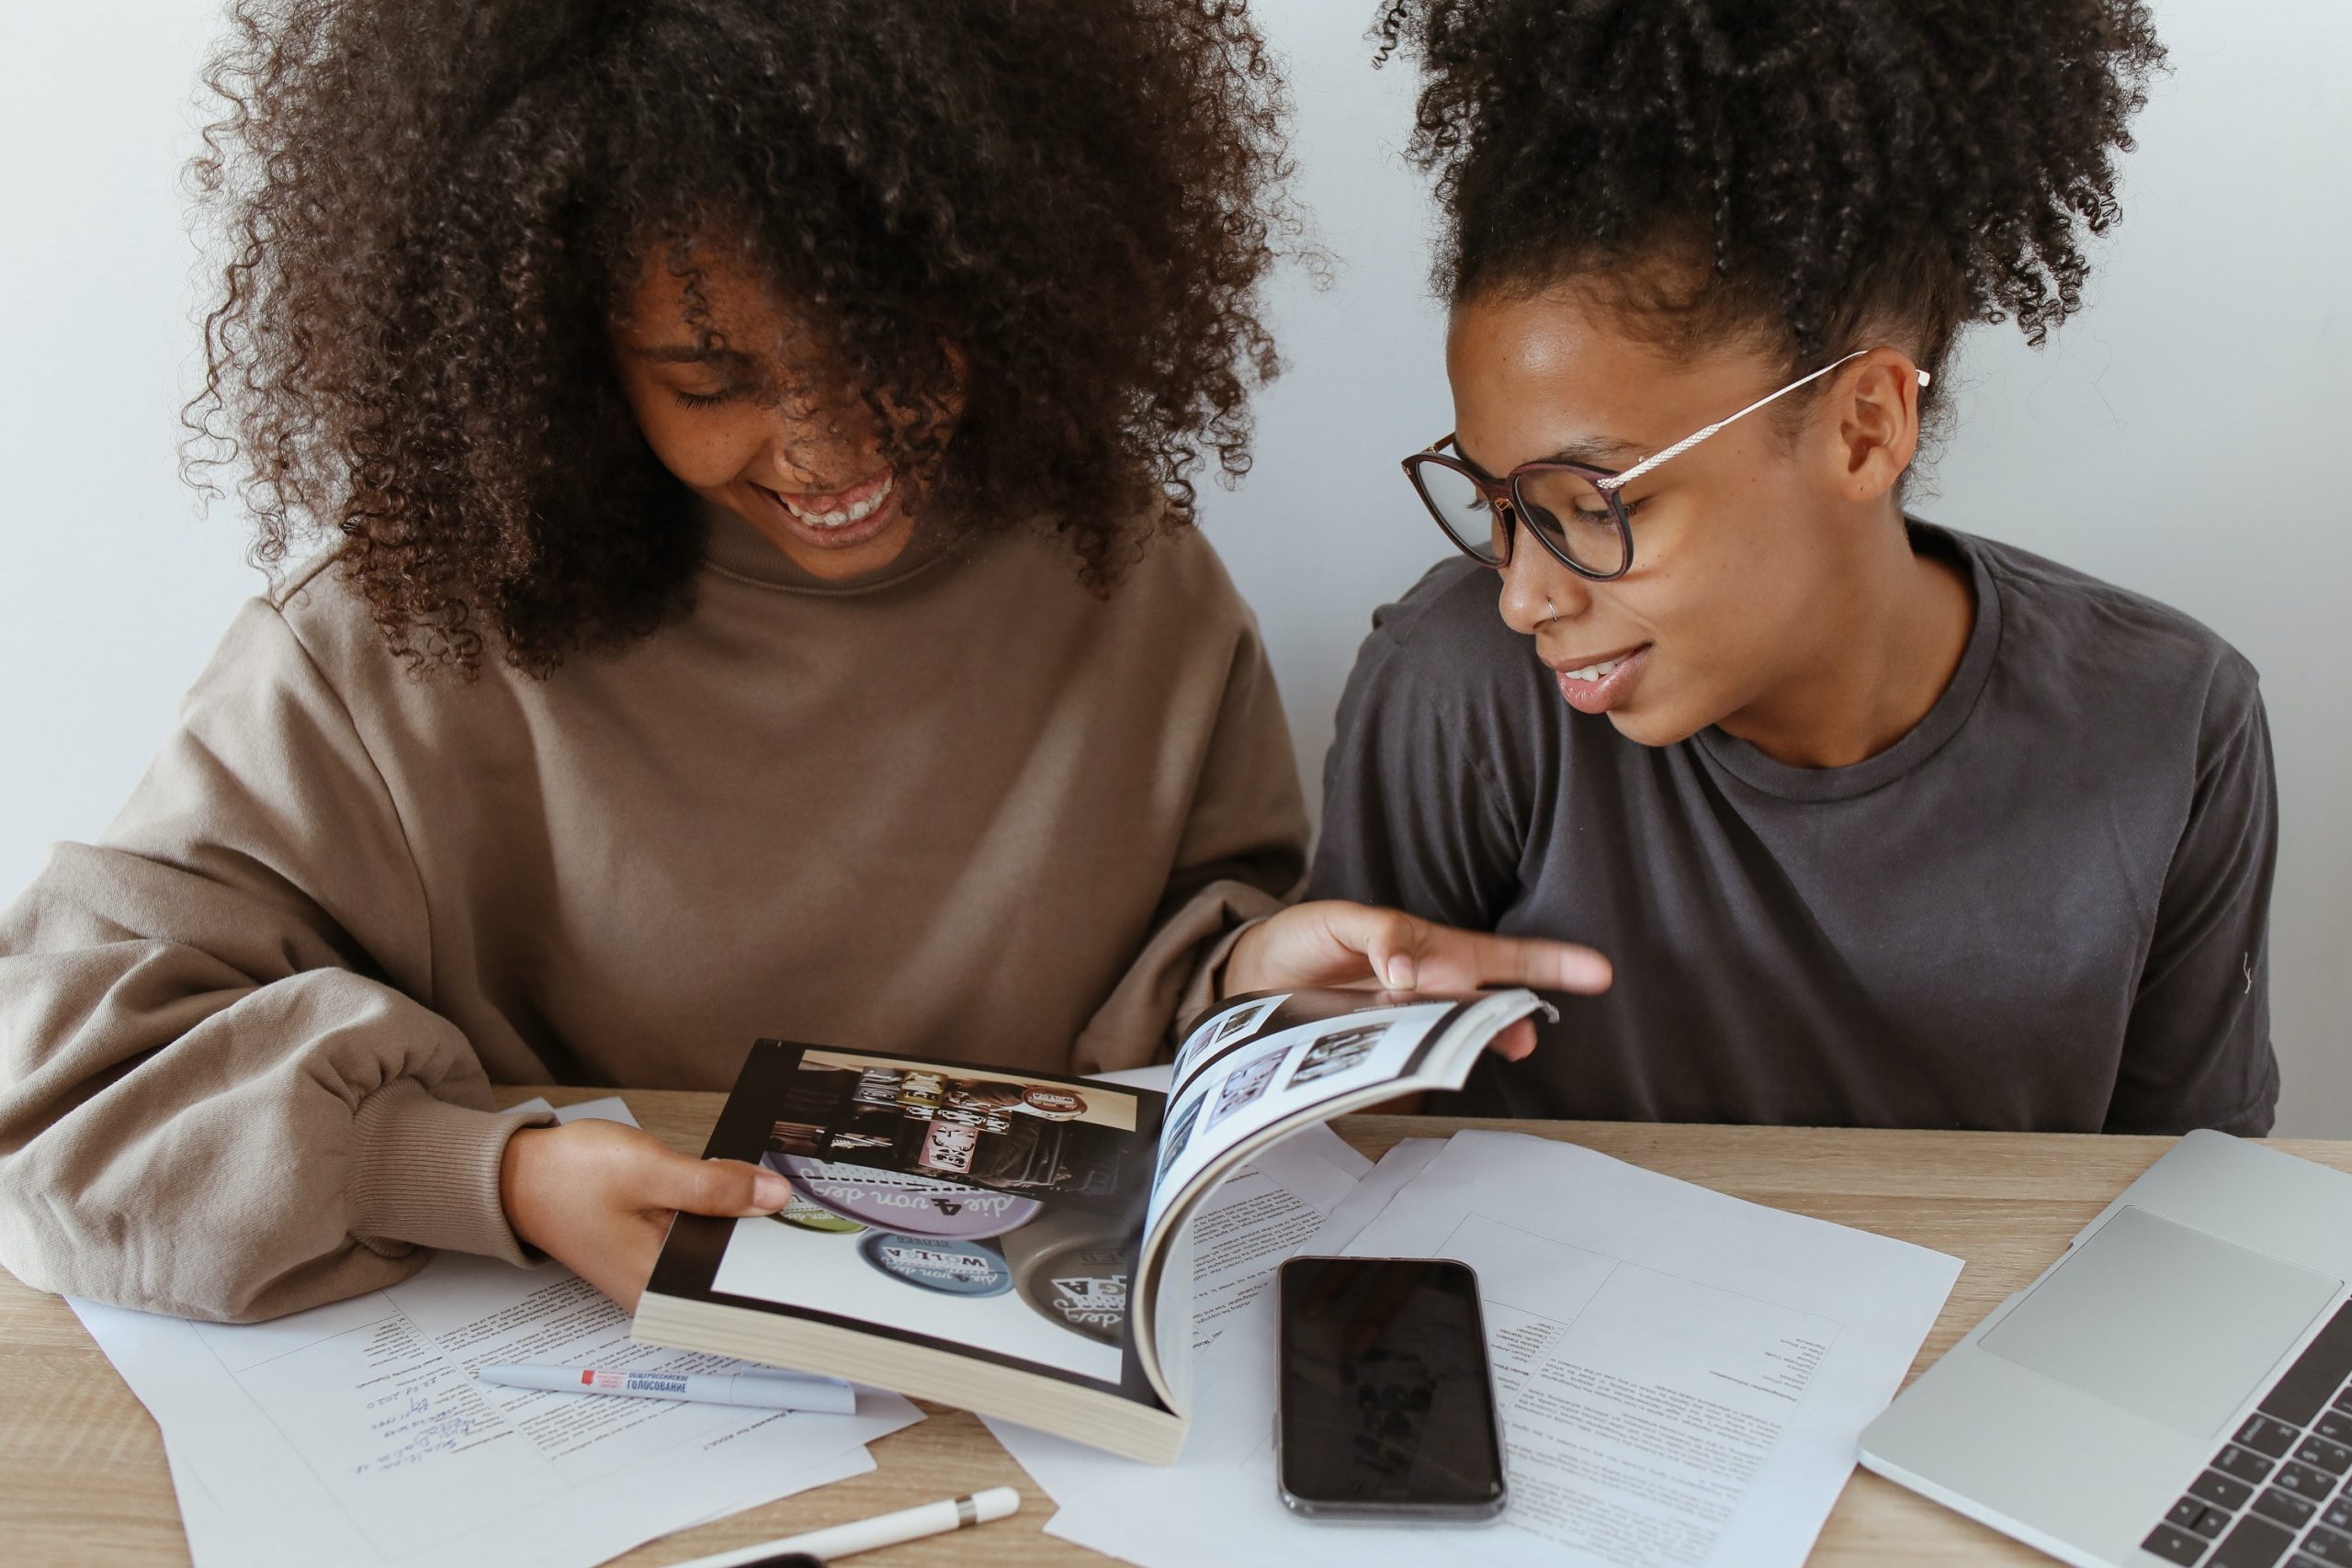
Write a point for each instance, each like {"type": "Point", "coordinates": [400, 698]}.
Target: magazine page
{"type": "Point", "coordinates": [990, 1213]}
{"type": "Point", "coordinates": [1261, 1066]}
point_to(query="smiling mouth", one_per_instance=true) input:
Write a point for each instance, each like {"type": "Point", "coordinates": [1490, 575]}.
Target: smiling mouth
{"type": "Point", "coordinates": [1594, 670]}
{"type": "Point", "coordinates": [844, 509]}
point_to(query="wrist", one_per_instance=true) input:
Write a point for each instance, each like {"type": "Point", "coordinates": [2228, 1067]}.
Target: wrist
{"type": "Point", "coordinates": [1238, 972]}
{"type": "Point", "coordinates": [513, 1181]}
{"type": "Point", "coordinates": [534, 1183]}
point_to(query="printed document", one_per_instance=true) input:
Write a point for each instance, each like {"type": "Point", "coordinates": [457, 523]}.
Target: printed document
{"type": "Point", "coordinates": [1681, 1376]}
{"type": "Point", "coordinates": [1260, 1215]}
{"type": "Point", "coordinates": [355, 1433]}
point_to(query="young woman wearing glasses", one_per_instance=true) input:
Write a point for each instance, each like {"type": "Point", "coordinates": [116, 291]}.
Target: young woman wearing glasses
{"type": "Point", "coordinates": [1881, 823]}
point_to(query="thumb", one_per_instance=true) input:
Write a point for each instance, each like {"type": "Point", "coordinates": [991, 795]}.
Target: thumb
{"type": "Point", "coordinates": [723, 1187]}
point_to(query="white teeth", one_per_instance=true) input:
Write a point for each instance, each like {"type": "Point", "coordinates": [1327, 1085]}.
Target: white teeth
{"type": "Point", "coordinates": [1595, 671]}
{"type": "Point", "coordinates": [844, 516]}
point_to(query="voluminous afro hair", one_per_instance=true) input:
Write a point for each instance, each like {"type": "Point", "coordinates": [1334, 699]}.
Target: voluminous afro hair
{"type": "Point", "coordinates": [1820, 169]}
{"type": "Point", "coordinates": [432, 207]}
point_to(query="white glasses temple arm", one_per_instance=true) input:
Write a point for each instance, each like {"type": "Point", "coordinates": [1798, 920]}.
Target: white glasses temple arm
{"type": "Point", "coordinates": [1654, 458]}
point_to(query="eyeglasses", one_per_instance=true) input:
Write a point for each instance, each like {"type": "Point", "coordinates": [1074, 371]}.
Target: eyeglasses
{"type": "Point", "coordinates": [1577, 512]}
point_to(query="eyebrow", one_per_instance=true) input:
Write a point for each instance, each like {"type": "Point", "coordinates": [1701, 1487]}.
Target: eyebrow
{"type": "Point", "coordinates": [1596, 452]}
{"type": "Point", "coordinates": [1600, 452]}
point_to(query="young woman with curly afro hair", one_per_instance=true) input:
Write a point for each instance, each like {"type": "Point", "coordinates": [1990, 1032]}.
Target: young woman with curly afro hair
{"type": "Point", "coordinates": [756, 445]}
{"type": "Point", "coordinates": [1883, 823]}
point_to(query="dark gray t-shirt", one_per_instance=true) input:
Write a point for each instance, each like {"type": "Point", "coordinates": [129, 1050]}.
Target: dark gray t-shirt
{"type": "Point", "coordinates": [2044, 909]}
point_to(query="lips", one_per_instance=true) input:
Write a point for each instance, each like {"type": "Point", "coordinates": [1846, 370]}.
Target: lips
{"type": "Point", "coordinates": [840, 519]}
{"type": "Point", "coordinates": [841, 507]}
{"type": "Point", "coordinates": [1596, 684]}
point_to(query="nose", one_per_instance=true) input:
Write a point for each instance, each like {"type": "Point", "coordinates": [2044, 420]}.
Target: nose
{"type": "Point", "coordinates": [1538, 589]}
{"type": "Point", "coordinates": [814, 453]}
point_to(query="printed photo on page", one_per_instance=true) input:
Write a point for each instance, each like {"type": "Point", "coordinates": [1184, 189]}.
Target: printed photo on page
{"type": "Point", "coordinates": [988, 1212]}
{"type": "Point", "coordinates": [1233, 1084]}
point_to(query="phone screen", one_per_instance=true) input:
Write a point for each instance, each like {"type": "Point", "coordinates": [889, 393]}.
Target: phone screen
{"type": "Point", "coordinates": [1386, 1407]}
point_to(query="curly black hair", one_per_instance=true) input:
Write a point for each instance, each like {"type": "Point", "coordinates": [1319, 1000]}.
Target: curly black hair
{"type": "Point", "coordinates": [432, 209]}
{"type": "Point", "coordinates": [1813, 171]}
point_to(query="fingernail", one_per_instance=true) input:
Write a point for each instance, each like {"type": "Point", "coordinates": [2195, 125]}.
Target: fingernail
{"type": "Point", "coordinates": [1590, 972]}
{"type": "Point", "coordinates": [1400, 973]}
{"type": "Point", "coordinates": [770, 1191]}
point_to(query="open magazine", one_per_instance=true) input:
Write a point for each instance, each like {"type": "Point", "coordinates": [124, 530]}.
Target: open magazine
{"type": "Point", "coordinates": [1015, 1243]}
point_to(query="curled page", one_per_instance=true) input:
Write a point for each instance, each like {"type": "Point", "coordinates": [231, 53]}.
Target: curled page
{"type": "Point", "coordinates": [1262, 1066]}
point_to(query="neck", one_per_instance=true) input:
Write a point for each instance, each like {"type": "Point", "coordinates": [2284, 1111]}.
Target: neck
{"type": "Point", "coordinates": [1892, 626]}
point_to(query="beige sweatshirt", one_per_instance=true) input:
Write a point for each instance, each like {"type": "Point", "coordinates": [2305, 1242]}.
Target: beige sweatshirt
{"type": "Point", "coordinates": [959, 807]}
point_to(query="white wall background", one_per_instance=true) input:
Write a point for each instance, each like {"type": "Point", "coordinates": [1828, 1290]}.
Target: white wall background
{"type": "Point", "coordinates": [2181, 437]}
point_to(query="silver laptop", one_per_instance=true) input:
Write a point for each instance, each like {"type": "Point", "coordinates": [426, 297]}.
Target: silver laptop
{"type": "Point", "coordinates": [2178, 1388]}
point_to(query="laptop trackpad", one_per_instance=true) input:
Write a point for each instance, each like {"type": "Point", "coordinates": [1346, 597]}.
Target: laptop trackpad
{"type": "Point", "coordinates": [2164, 1321]}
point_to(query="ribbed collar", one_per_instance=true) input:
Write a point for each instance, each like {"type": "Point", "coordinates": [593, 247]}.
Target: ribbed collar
{"type": "Point", "coordinates": [1941, 722]}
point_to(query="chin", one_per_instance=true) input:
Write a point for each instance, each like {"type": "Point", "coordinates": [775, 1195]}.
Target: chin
{"type": "Point", "coordinates": [1656, 729]}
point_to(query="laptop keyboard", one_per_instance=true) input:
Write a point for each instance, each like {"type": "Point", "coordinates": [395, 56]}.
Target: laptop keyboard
{"type": "Point", "coordinates": [2277, 1492]}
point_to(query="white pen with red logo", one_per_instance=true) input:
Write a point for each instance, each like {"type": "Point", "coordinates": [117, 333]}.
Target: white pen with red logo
{"type": "Point", "coordinates": [765, 1388]}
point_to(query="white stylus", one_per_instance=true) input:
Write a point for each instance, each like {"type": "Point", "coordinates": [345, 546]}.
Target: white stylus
{"type": "Point", "coordinates": [870, 1534]}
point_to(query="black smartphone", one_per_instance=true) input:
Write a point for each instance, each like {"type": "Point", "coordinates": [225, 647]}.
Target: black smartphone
{"type": "Point", "coordinates": [1386, 1409]}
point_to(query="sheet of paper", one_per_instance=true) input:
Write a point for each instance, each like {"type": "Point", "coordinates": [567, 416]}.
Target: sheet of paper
{"type": "Point", "coordinates": [212, 1540]}
{"type": "Point", "coordinates": [1260, 1215]}
{"type": "Point", "coordinates": [1681, 1377]}
{"type": "Point", "coordinates": [354, 1432]}
{"type": "Point", "coordinates": [1405, 1161]}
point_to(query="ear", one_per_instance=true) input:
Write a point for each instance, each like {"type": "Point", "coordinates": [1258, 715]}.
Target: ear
{"type": "Point", "coordinates": [1876, 404]}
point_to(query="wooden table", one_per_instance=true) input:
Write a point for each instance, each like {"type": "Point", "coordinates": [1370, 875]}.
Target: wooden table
{"type": "Point", "coordinates": [82, 1479]}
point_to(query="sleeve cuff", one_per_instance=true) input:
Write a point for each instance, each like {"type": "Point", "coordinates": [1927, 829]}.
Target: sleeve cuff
{"type": "Point", "coordinates": [425, 1172]}
{"type": "Point", "coordinates": [1208, 977]}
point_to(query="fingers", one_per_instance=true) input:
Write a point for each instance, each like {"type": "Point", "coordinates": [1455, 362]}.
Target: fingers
{"type": "Point", "coordinates": [1517, 1043]}
{"type": "Point", "coordinates": [724, 1187]}
{"type": "Point", "coordinates": [1407, 954]}
{"type": "Point", "coordinates": [1475, 959]}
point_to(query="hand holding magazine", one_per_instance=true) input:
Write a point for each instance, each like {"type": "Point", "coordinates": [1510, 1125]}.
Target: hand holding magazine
{"type": "Point", "coordinates": [1015, 1243]}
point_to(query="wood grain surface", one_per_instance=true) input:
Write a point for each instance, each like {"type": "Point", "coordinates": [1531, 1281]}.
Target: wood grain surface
{"type": "Point", "coordinates": [82, 1479]}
